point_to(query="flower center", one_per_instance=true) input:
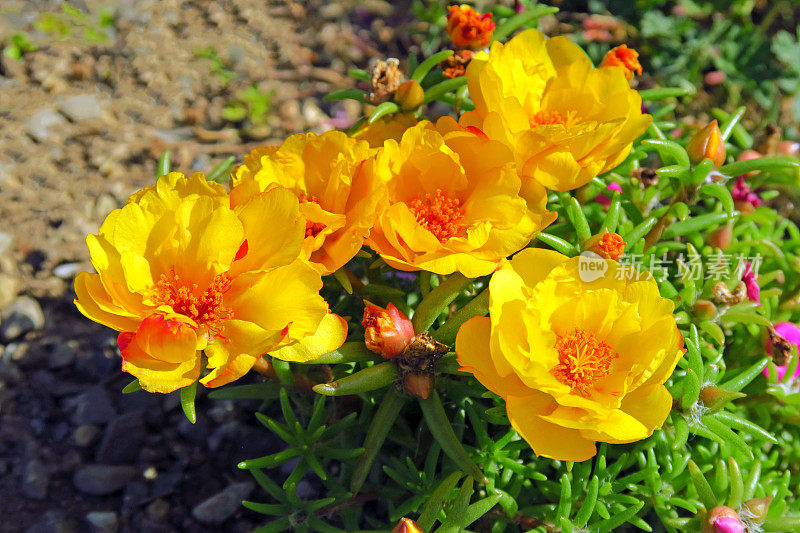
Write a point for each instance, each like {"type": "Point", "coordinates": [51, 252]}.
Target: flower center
{"type": "Point", "coordinates": [612, 245]}
{"type": "Point", "coordinates": [438, 213]}
{"type": "Point", "coordinates": [207, 308]}
{"type": "Point", "coordinates": [312, 228]}
{"type": "Point", "coordinates": [582, 360]}
{"type": "Point", "coordinates": [548, 118]}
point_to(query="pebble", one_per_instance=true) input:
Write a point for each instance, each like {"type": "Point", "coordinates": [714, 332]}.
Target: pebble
{"type": "Point", "coordinates": [67, 270]}
{"type": "Point", "coordinates": [103, 521]}
{"type": "Point", "coordinates": [9, 285]}
{"type": "Point", "coordinates": [100, 480]}
{"type": "Point", "coordinates": [6, 240]}
{"type": "Point", "coordinates": [122, 440]}
{"type": "Point", "coordinates": [221, 506]}
{"type": "Point", "coordinates": [85, 435]}
{"type": "Point", "coordinates": [157, 510]}
{"type": "Point", "coordinates": [53, 521]}
{"type": "Point", "coordinates": [81, 107]}
{"type": "Point", "coordinates": [41, 125]}
{"type": "Point", "coordinates": [175, 135]}
{"type": "Point", "coordinates": [35, 480]}
{"type": "Point", "coordinates": [93, 407]}
{"type": "Point", "coordinates": [63, 354]}
{"type": "Point", "coordinates": [23, 315]}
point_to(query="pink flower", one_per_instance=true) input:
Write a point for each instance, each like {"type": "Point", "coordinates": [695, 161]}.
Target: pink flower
{"type": "Point", "coordinates": [749, 279]}
{"type": "Point", "coordinates": [744, 197]}
{"type": "Point", "coordinates": [604, 200]}
{"type": "Point", "coordinates": [728, 524]}
{"type": "Point", "coordinates": [791, 333]}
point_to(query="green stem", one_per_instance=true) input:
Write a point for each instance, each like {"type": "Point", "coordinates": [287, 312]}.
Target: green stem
{"type": "Point", "coordinates": [478, 306]}
{"type": "Point", "coordinates": [437, 300]}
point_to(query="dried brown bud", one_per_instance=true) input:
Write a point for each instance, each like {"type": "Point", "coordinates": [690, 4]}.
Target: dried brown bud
{"type": "Point", "coordinates": [647, 176]}
{"type": "Point", "coordinates": [722, 295]}
{"type": "Point", "coordinates": [781, 348]}
{"type": "Point", "coordinates": [384, 81]}
{"type": "Point", "coordinates": [456, 65]}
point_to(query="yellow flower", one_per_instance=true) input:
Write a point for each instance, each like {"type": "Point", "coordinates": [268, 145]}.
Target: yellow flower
{"type": "Point", "coordinates": [576, 361]}
{"type": "Point", "coordinates": [453, 202]}
{"type": "Point", "coordinates": [325, 172]}
{"type": "Point", "coordinates": [179, 271]}
{"type": "Point", "coordinates": [385, 128]}
{"type": "Point", "coordinates": [565, 120]}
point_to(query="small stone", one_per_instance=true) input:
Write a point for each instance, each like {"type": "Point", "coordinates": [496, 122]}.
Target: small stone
{"type": "Point", "coordinates": [93, 407]}
{"type": "Point", "coordinates": [175, 135]}
{"type": "Point", "coordinates": [100, 480]}
{"type": "Point", "coordinates": [63, 354]}
{"type": "Point", "coordinates": [85, 435]}
{"type": "Point", "coordinates": [42, 124]}
{"type": "Point", "coordinates": [8, 289]}
{"type": "Point", "coordinates": [23, 315]}
{"type": "Point", "coordinates": [53, 521]}
{"type": "Point", "coordinates": [6, 240]}
{"type": "Point", "coordinates": [122, 440]}
{"type": "Point", "coordinates": [35, 480]}
{"type": "Point", "coordinates": [157, 510]}
{"type": "Point", "coordinates": [103, 521]}
{"type": "Point", "coordinates": [67, 270]}
{"type": "Point", "coordinates": [81, 107]}
{"type": "Point", "coordinates": [221, 506]}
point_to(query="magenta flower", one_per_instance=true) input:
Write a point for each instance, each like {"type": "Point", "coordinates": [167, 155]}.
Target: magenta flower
{"type": "Point", "coordinates": [743, 194]}
{"type": "Point", "coordinates": [791, 333]}
{"type": "Point", "coordinates": [604, 200]}
{"type": "Point", "coordinates": [749, 279]}
{"type": "Point", "coordinates": [728, 524]}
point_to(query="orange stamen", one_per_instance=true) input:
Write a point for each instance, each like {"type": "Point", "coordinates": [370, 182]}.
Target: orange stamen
{"type": "Point", "coordinates": [438, 213]}
{"type": "Point", "coordinates": [312, 228]}
{"type": "Point", "coordinates": [548, 118]}
{"type": "Point", "coordinates": [207, 308]}
{"type": "Point", "coordinates": [583, 360]}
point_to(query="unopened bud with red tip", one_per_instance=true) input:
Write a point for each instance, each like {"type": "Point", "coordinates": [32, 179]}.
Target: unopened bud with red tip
{"type": "Point", "coordinates": [607, 245]}
{"type": "Point", "coordinates": [707, 144]}
{"type": "Point", "coordinates": [387, 331]}
{"type": "Point", "coordinates": [705, 310]}
{"type": "Point", "coordinates": [418, 385]}
{"type": "Point", "coordinates": [409, 95]}
{"type": "Point", "coordinates": [755, 510]}
{"type": "Point", "coordinates": [721, 237]}
{"type": "Point", "coordinates": [722, 519]}
{"type": "Point", "coordinates": [715, 398]}
{"type": "Point", "coordinates": [406, 525]}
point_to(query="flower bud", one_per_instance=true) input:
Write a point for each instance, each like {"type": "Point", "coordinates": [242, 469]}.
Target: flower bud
{"type": "Point", "coordinates": [607, 245]}
{"type": "Point", "coordinates": [409, 95]}
{"type": "Point", "coordinates": [624, 57]}
{"type": "Point", "coordinates": [722, 519]}
{"type": "Point", "coordinates": [406, 525]}
{"type": "Point", "coordinates": [790, 148]}
{"type": "Point", "coordinates": [469, 29]}
{"type": "Point", "coordinates": [756, 509]}
{"type": "Point", "coordinates": [749, 155]}
{"type": "Point", "coordinates": [387, 331]}
{"type": "Point", "coordinates": [418, 385]}
{"type": "Point", "coordinates": [721, 237]}
{"type": "Point", "coordinates": [704, 309]}
{"type": "Point", "coordinates": [715, 398]}
{"type": "Point", "coordinates": [707, 144]}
